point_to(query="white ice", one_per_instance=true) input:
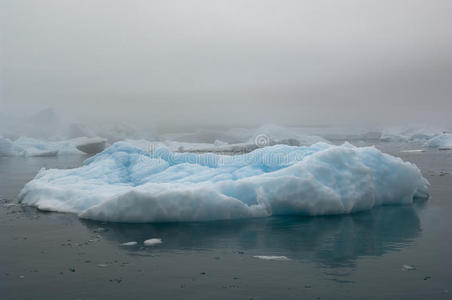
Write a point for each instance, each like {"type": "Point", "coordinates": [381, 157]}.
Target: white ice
{"type": "Point", "coordinates": [408, 268]}
{"type": "Point", "coordinates": [442, 141]}
{"type": "Point", "coordinates": [413, 151]}
{"type": "Point", "coordinates": [238, 139]}
{"type": "Point", "coordinates": [128, 244]}
{"type": "Point", "coordinates": [25, 146]}
{"type": "Point", "coordinates": [409, 134]}
{"type": "Point", "coordinates": [126, 184]}
{"type": "Point", "coordinates": [152, 242]}
{"type": "Point", "coordinates": [264, 257]}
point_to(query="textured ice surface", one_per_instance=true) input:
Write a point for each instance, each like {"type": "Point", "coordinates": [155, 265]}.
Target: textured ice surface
{"type": "Point", "coordinates": [441, 141]}
{"type": "Point", "coordinates": [127, 184]}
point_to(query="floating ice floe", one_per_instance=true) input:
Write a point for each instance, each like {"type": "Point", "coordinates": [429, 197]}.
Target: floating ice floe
{"type": "Point", "coordinates": [264, 257]}
{"type": "Point", "coordinates": [408, 268]}
{"type": "Point", "coordinates": [25, 146]}
{"type": "Point", "coordinates": [127, 184]}
{"type": "Point", "coordinates": [152, 242]}
{"type": "Point", "coordinates": [128, 244]}
{"type": "Point", "coordinates": [413, 151]}
{"type": "Point", "coordinates": [442, 142]}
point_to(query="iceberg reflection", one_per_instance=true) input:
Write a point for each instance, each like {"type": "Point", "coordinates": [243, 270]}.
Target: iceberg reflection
{"type": "Point", "coordinates": [331, 241]}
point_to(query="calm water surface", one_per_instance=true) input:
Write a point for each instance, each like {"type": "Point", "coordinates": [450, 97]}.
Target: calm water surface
{"type": "Point", "coordinates": [58, 256]}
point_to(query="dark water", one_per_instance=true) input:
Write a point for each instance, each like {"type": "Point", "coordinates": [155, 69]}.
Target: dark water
{"type": "Point", "coordinates": [57, 256]}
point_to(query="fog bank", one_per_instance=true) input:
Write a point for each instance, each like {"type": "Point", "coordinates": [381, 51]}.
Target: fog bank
{"type": "Point", "coordinates": [230, 63]}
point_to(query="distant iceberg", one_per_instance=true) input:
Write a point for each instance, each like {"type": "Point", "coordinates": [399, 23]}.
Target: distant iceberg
{"type": "Point", "coordinates": [9, 148]}
{"type": "Point", "coordinates": [127, 184]}
{"type": "Point", "coordinates": [266, 135]}
{"type": "Point", "coordinates": [175, 146]}
{"type": "Point", "coordinates": [409, 134]}
{"type": "Point", "coordinates": [232, 141]}
{"type": "Point", "coordinates": [442, 142]}
{"type": "Point", "coordinates": [31, 147]}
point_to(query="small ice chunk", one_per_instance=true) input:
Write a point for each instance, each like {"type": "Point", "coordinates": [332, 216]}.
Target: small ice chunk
{"type": "Point", "coordinates": [152, 242]}
{"type": "Point", "coordinates": [102, 265]}
{"type": "Point", "coordinates": [265, 257]}
{"type": "Point", "coordinates": [413, 151]}
{"type": "Point", "coordinates": [408, 268]}
{"type": "Point", "coordinates": [129, 244]}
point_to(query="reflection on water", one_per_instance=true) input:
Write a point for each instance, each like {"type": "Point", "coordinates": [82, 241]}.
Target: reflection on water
{"type": "Point", "coordinates": [331, 241]}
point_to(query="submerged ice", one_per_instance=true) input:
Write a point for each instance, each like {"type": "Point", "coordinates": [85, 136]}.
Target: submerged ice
{"type": "Point", "coordinates": [126, 184]}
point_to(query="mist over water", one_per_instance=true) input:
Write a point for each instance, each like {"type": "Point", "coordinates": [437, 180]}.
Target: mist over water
{"type": "Point", "coordinates": [191, 64]}
{"type": "Point", "coordinates": [246, 149]}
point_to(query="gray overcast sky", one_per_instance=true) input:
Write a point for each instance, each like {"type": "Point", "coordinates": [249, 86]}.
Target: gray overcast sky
{"type": "Point", "coordinates": [241, 62]}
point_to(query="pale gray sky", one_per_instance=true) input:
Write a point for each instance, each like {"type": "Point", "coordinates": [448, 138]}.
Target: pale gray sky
{"type": "Point", "coordinates": [239, 62]}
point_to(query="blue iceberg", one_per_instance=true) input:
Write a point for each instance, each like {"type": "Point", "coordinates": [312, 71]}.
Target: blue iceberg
{"type": "Point", "coordinates": [127, 184]}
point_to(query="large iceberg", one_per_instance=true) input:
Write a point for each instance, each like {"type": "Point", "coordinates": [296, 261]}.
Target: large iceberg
{"type": "Point", "coordinates": [126, 184]}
